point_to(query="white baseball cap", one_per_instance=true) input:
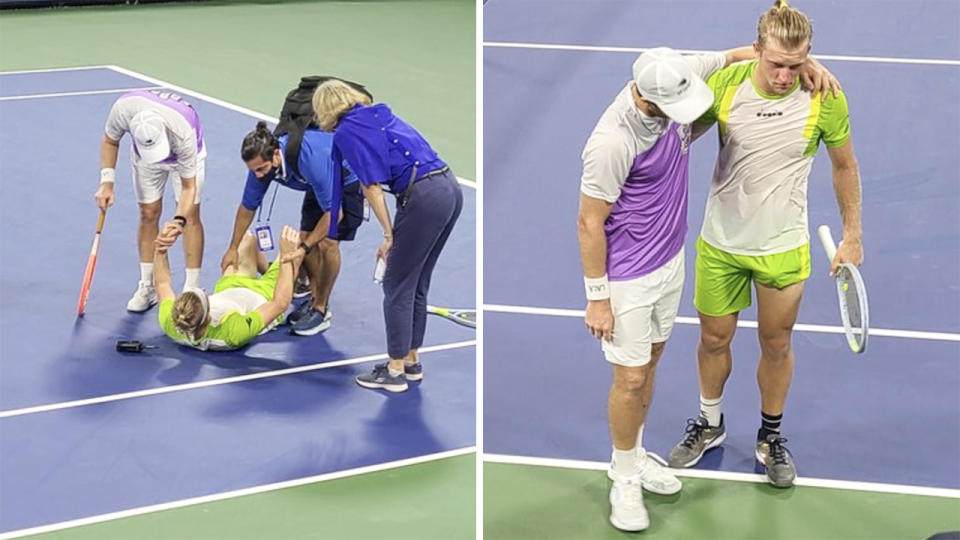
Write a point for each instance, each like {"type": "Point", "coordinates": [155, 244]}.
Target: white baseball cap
{"type": "Point", "coordinates": [664, 78]}
{"type": "Point", "coordinates": [150, 136]}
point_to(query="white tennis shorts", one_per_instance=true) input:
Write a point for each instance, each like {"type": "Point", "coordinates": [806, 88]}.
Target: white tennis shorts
{"type": "Point", "coordinates": [150, 180]}
{"type": "Point", "coordinates": [644, 310]}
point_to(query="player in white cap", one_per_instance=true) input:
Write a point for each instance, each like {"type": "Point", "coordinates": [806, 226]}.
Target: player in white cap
{"type": "Point", "coordinates": [632, 227]}
{"type": "Point", "coordinates": [167, 142]}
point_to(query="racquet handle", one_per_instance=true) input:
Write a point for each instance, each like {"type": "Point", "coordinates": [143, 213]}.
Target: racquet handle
{"type": "Point", "coordinates": [826, 239]}
{"type": "Point", "coordinates": [103, 216]}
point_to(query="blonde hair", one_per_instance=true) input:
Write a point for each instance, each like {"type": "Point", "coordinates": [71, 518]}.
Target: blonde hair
{"type": "Point", "coordinates": [332, 99]}
{"type": "Point", "coordinates": [789, 26]}
{"type": "Point", "coordinates": [189, 313]}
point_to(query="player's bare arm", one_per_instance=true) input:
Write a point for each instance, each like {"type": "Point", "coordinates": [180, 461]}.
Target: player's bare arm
{"type": "Point", "coordinates": [290, 257]}
{"type": "Point", "coordinates": [241, 223]}
{"type": "Point", "coordinates": [161, 274]}
{"type": "Point", "coordinates": [846, 185]}
{"type": "Point", "coordinates": [109, 149]}
{"type": "Point", "coordinates": [186, 207]}
{"type": "Point", "coordinates": [593, 255]}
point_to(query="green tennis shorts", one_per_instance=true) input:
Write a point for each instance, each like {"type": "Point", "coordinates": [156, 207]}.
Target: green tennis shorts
{"type": "Point", "coordinates": [263, 285]}
{"type": "Point", "coordinates": [723, 279]}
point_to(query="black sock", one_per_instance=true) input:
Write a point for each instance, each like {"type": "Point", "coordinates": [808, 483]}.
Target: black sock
{"type": "Point", "coordinates": [769, 423]}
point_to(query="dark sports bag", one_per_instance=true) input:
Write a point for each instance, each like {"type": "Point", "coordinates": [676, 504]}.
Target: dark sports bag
{"type": "Point", "coordinates": [297, 115]}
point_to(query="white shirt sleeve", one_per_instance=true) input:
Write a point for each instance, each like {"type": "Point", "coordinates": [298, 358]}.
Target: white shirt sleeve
{"type": "Point", "coordinates": [705, 64]}
{"type": "Point", "coordinates": [606, 164]}
{"type": "Point", "coordinates": [184, 145]}
{"type": "Point", "coordinates": [118, 121]}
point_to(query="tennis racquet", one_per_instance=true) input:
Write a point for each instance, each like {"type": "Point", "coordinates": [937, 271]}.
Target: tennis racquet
{"type": "Point", "coordinates": [852, 294]}
{"type": "Point", "coordinates": [464, 317]}
{"type": "Point", "coordinates": [91, 264]}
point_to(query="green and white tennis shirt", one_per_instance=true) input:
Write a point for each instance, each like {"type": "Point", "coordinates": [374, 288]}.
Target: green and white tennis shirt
{"type": "Point", "coordinates": [758, 195]}
{"type": "Point", "coordinates": [234, 319]}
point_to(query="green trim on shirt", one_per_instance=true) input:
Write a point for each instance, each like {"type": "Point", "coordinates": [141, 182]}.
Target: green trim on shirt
{"type": "Point", "coordinates": [833, 123]}
{"type": "Point", "coordinates": [724, 83]}
{"type": "Point", "coordinates": [234, 331]}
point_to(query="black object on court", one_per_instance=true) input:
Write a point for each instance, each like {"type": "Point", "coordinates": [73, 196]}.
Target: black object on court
{"type": "Point", "coordinates": [132, 345]}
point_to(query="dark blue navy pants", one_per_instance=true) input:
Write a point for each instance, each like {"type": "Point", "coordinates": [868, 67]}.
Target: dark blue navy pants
{"type": "Point", "coordinates": [420, 230]}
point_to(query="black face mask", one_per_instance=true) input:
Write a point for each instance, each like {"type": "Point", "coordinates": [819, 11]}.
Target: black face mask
{"type": "Point", "coordinates": [271, 175]}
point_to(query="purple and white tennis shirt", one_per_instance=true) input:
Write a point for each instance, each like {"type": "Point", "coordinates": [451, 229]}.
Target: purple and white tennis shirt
{"type": "Point", "coordinates": [640, 165]}
{"type": "Point", "coordinates": [182, 121]}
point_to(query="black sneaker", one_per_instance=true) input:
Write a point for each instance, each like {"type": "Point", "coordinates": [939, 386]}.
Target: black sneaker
{"type": "Point", "coordinates": [413, 372]}
{"type": "Point", "coordinates": [312, 322]}
{"type": "Point", "coordinates": [301, 287]}
{"type": "Point", "coordinates": [300, 311]}
{"type": "Point", "coordinates": [381, 378]}
{"type": "Point", "coordinates": [774, 456]}
{"type": "Point", "coordinates": [700, 437]}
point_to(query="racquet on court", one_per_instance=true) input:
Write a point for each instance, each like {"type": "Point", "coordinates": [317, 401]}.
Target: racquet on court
{"type": "Point", "coordinates": [852, 293]}
{"type": "Point", "coordinates": [464, 317]}
{"type": "Point", "coordinates": [91, 264]}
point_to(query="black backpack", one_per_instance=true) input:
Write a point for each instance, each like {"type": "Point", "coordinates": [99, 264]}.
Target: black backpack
{"type": "Point", "coordinates": [297, 115]}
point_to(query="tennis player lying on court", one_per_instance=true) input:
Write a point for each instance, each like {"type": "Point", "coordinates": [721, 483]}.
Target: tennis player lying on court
{"type": "Point", "coordinates": [242, 306]}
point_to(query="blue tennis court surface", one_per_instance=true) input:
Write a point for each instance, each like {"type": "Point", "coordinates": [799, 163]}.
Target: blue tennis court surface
{"type": "Point", "coordinates": [891, 415]}
{"type": "Point", "coordinates": [85, 459]}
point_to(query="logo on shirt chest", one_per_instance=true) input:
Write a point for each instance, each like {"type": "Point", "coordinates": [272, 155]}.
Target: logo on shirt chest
{"type": "Point", "coordinates": [768, 113]}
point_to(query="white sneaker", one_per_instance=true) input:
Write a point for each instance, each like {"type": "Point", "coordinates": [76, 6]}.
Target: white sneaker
{"type": "Point", "coordinates": [143, 299]}
{"type": "Point", "coordinates": [627, 512]}
{"type": "Point", "coordinates": [653, 475]}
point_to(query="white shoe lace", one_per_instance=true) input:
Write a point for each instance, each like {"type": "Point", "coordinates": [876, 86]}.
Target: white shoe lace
{"type": "Point", "coordinates": [652, 472]}
{"type": "Point", "coordinates": [145, 290]}
{"type": "Point", "coordinates": [629, 493]}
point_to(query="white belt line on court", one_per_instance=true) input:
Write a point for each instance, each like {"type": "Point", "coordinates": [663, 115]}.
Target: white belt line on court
{"type": "Point", "coordinates": [217, 382]}
{"type": "Point", "coordinates": [51, 70]}
{"type": "Point", "coordinates": [899, 489]}
{"type": "Point", "coordinates": [801, 327]}
{"type": "Point", "coordinates": [78, 93]}
{"type": "Point", "coordinates": [597, 48]}
{"type": "Point", "coordinates": [222, 103]}
{"type": "Point", "coordinates": [238, 493]}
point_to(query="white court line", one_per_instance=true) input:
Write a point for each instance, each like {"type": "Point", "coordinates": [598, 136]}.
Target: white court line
{"type": "Point", "coordinates": [237, 493]}
{"type": "Point", "coordinates": [899, 489]}
{"type": "Point", "coordinates": [80, 93]}
{"type": "Point", "coordinates": [834, 57]}
{"type": "Point", "coordinates": [800, 327]}
{"type": "Point", "coordinates": [52, 70]}
{"type": "Point", "coordinates": [224, 104]}
{"type": "Point", "coordinates": [217, 382]}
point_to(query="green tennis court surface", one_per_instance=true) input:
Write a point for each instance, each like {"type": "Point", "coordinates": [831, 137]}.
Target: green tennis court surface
{"type": "Point", "coordinates": [432, 500]}
{"type": "Point", "coordinates": [417, 55]}
{"type": "Point", "coordinates": [522, 501]}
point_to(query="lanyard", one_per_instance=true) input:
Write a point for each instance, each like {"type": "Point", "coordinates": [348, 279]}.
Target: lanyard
{"type": "Point", "coordinates": [272, 200]}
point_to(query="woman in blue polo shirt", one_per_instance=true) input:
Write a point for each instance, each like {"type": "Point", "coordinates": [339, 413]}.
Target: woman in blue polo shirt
{"type": "Point", "coordinates": [385, 151]}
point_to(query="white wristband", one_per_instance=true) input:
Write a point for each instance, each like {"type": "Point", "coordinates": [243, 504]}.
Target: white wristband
{"type": "Point", "coordinates": [108, 175]}
{"type": "Point", "coordinates": [597, 288]}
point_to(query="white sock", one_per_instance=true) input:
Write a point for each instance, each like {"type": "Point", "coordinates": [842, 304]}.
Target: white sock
{"type": "Point", "coordinates": [146, 272]}
{"type": "Point", "coordinates": [710, 409]}
{"type": "Point", "coordinates": [624, 461]}
{"type": "Point", "coordinates": [193, 278]}
{"type": "Point", "coordinates": [394, 372]}
{"type": "Point", "coordinates": [641, 452]}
